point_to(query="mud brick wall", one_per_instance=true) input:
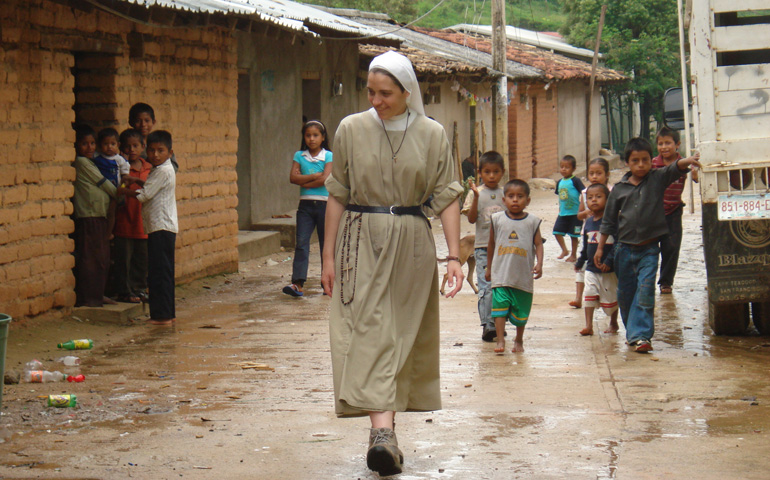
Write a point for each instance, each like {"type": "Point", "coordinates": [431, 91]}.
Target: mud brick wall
{"type": "Point", "coordinates": [187, 74]}
{"type": "Point", "coordinates": [533, 132]}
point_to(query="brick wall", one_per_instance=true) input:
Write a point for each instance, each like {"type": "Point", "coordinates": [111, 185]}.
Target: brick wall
{"type": "Point", "coordinates": [533, 131]}
{"type": "Point", "coordinates": [190, 78]}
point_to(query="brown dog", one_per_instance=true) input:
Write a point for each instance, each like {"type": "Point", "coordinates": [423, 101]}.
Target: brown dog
{"type": "Point", "coordinates": [466, 256]}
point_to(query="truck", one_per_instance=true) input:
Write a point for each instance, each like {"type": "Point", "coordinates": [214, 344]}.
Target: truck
{"type": "Point", "coordinates": [730, 88]}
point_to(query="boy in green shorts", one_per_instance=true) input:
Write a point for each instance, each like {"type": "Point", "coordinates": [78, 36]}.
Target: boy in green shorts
{"type": "Point", "coordinates": [515, 254]}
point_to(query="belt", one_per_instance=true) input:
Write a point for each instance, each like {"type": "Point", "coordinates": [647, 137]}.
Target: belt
{"type": "Point", "coordinates": [393, 210]}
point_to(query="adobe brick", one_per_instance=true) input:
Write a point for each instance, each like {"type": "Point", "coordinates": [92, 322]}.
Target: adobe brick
{"type": "Point", "coordinates": [64, 225]}
{"type": "Point", "coordinates": [40, 304]}
{"type": "Point", "coordinates": [64, 190]}
{"type": "Point", "coordinates": [31, 289]}
{"type": "Point", "coordinates": [64, 298]}
{"type": "Point", "coordinates": [14, 195]}
{"type": "Point", "coordinates": [16, 271]}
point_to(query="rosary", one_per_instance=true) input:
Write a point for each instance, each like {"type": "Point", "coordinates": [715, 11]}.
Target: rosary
{"type": "Point", "coordinates": [395, 152]}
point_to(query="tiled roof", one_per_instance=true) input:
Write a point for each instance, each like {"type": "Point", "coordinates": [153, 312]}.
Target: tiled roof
{"type": "Point", "coordinates": [554, 66]}
{"type": "Point", "coordinates": [435, 56]}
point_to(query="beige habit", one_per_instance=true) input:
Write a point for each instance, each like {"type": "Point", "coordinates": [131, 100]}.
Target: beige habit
{"type": "Point", "coordinates": [384, 323]}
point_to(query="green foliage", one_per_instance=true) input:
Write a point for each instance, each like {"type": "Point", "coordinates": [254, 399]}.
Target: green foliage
{"type": "Point", "coordinates": [640, 37]}
{"type": "Point", "coordinates": [541, 15]}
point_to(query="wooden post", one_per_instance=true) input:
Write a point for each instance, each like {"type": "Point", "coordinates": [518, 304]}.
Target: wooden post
{"type": "Point", "coordinates": [456, 152]}
{"type": "Point", "coordinates": [500, 96]}
{"type": "Point", "coordinates": [591, 85]}
{"type": "Point", "coordinates": [483, 136]}
{"type": "Point", "coordinates": [476, 151]}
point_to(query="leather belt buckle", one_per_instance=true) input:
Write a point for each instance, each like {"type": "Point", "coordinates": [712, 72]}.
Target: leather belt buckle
{"type": "Point", "coordinates": [391, 209]}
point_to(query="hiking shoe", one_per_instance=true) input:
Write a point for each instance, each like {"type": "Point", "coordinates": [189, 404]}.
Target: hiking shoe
{"type": "Point", "coordinates": [293, 290]}
{"type": "Point", "coordinates": [384, 456]}
{"type": "Point", "coordinates": [642, 346]}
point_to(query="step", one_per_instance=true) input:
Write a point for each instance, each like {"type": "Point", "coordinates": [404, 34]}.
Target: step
{"type": "Point", "coordinates": [286, 225]}
{"type": "Point", "coordinates": [253, 245]}
{"type": "Point", "coordinates": [120, 313]}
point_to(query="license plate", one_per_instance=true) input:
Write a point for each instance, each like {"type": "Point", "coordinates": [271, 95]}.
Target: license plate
{"type": "Point", "coordinates": [743, 207]}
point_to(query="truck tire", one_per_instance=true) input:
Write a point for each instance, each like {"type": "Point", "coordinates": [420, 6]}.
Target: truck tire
{"type": "Point", "coordinates": [760, 313]}
{"type": "Point", "coordinates": [729, 318]}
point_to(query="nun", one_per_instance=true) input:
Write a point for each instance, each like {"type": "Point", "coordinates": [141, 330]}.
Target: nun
{"type": "Point", "coordinates": [391, 163]}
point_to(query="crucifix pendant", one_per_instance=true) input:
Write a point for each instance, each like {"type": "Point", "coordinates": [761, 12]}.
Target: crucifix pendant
{"type": "Point", "coordinates": [395, 158]}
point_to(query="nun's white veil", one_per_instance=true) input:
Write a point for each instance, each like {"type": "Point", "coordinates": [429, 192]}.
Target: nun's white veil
{"type": "Point", "coordinates": [400, 67]}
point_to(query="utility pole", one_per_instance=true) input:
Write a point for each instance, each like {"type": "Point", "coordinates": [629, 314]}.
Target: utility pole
{"type": "Point", "coordinates": [590, 107]}
{"type": "Point", "coordinates": [500, 97]}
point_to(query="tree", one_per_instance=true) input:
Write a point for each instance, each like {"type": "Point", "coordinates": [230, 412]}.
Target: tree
{"type": "Point", "coordinates": [640, 38]}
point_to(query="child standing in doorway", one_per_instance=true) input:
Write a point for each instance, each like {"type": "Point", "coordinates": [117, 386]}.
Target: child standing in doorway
{"type": "Point", "coordinates": [92, 199]}
{"type": "Point", "coordinates": [486, 200]}
{"type": "Point", "coordinates": [130, 244]}
{"type": "Point", "coordinates": [601, 283]}
{"type": "Point", "coordinates": [668, 152]}
{"type": "Point", "coordinates": [112, 165]}
{"type": "Point", "coordinates": [568, 189]}
{"type": "Point", "coordinates": [598, 173]}
{"type": "Point", "coordinates": [634, 213]}
{"type": "Point", "coordinates": [161, 225]}
{"type": "Point", "coordinates": [515, 252]}
{"type": "Point", "coordinates": [311, 165]}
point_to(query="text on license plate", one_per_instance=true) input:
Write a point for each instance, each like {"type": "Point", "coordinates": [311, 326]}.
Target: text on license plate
{"type": "Point", "coordinates": [743, 207]}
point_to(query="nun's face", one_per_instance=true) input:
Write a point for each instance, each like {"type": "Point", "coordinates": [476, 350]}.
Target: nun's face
{"type": "Point", "coordinates": [385, 96]}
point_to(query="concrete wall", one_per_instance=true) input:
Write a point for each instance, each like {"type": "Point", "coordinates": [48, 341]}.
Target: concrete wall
{"type": "Point", "coordinates": [276, 64]}
{"type": "Point", "coordinates": [572, 121]}
{"type": "Point", "coordinates": [188, 75]}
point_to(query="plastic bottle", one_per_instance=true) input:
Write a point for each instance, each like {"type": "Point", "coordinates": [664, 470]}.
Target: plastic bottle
{"type": "Point", "coordinates": [76, 378]}
{"type": "Point", "coordinates": [34, 364]}
{"type": "Point", "coordinates": [62, 401]}
{"type": "Point", "coordinates": [43, 376]}
{"type": "Point", "coordinates": [83, 344]}
{"type": "Point", "coordinates": [69, 361]}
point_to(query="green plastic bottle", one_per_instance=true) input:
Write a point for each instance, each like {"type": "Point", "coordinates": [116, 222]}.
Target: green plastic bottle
{"type": "Point", "coordinates": [62, 401]}
{"type": "Point", "coordinates": [83, 344]}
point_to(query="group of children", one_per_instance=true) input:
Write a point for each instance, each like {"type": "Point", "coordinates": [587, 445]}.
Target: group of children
{"type": "Point", "coordinates": [125, 215]}
{"type": "Point", "coordinates": [626, 229]}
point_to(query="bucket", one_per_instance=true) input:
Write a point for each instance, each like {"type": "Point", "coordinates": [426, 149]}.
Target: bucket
{"type": "Point", "coordinates": [4, 321]}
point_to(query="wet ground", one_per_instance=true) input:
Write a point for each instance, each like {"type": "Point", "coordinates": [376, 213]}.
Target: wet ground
{"type": "Point", "coordinates": [175, 402]}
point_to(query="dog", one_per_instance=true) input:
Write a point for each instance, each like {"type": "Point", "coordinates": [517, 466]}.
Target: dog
{"type": "Point", "coordinates": [466, 256]}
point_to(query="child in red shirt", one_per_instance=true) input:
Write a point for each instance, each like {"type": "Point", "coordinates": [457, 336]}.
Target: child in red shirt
{"type": "Point", "coordinates": [668, 152]}
{"type": "Point", "coordinates": [130, 250]}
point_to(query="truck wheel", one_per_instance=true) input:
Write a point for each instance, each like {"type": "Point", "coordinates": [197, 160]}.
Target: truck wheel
{"type": "Point", "coordinates": [728, 318]}
{"type": "Point", "coordinates": [760, 313]}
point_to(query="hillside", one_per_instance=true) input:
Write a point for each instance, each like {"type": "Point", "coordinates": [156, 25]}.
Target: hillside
{"type": "Point", "coordinates": [540, 15]}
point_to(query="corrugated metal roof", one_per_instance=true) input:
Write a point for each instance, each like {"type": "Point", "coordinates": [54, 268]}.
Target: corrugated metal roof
{"type": "Point", "coordinates": [292, 15]}
{"type": "Point", "coordinates": [529, 37]}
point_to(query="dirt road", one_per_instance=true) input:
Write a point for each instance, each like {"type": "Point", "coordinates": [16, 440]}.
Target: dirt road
{"type": "Point", "coordinates": [163, 403]}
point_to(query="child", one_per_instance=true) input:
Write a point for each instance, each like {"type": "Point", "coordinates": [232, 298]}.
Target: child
{"type": "Point", "coordinates": [668, 150]}
{"type": "Point", "coordinates": [568, 189]}
{"type": "Point", "coordinates": [312, 164]}
{"type": "Point", "coordinates": [514, 265]}
{"type": "Point", "coordinates": [91, 206]}
{"type": "Point", "coordinates": [598, 173]}
{"type": "Point", "coordinates": [601, 283]}
{"type": "Point", "coordinates": [160, 223]}
{"type": "Point", "coordinates": [479, 207]}
{"type": "Point", "coordinates": [634, 214]}
{"type": "Point", "coordinates": [130, 245]}
{"type": "Point", "coordinates": [112, 166]}
{"type": "Point", "coordinates": [141, 116]}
